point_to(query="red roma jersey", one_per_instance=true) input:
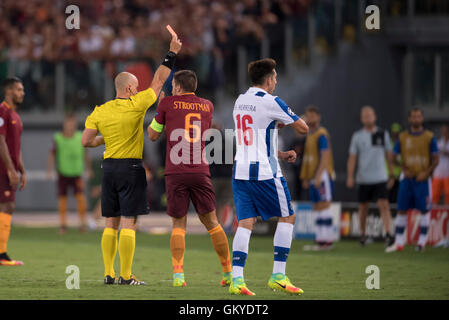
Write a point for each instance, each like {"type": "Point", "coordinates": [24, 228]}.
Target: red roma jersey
{"type": "Point", "coordinates": [185, 118]}
{"type": "Point", "coordinates": [10, 127]}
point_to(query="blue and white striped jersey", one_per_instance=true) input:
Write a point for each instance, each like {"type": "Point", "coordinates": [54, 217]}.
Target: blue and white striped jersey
{"type": "Point", "coordinates": [256, 115]}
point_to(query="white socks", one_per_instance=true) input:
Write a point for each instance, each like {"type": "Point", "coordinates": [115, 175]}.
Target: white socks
{"type": "Point", "coordinates": [240, 251]}
{"type": "Point", "coordinates": [424, 221]}
{"type": "Point", "coordinates": [323, 225]}
{"type": "Point", "coordinates": [400, 222]}
{"type": "Point", "coordinates": [282, 242]}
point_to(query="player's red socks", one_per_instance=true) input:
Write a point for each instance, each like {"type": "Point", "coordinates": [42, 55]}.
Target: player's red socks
{"type": "Point", "coordinates": [177, 247]}
{"type": "Point", "coordinates": [5, 229]}
{"type": "Point", "coordinates": [221, 246]}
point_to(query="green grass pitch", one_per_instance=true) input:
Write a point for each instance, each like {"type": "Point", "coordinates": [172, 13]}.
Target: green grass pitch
{"type": "Point", "coordinates": [339, 274]}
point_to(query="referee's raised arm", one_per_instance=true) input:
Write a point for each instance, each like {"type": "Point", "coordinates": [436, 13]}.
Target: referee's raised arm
{"type": "Point", "coordinates": [125, 89]}
{"type": "Point", "coordinates": [164, 70]}
{"type": "Point", "coordinates": [124, 194]}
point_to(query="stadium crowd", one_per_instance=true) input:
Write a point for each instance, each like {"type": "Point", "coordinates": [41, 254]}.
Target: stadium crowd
{"type": "Point", "coordinates": [114, 32]}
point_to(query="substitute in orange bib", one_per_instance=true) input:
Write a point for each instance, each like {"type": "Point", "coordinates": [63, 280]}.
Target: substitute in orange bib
{"type": "Point", "coordinates": [12, 171]}
{"type": "Point", "coordinates": [187, 177]}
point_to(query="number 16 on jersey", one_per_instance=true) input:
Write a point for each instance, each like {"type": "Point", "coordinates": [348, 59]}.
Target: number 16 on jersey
{"type": "Point", "coordinates": [243, 129]}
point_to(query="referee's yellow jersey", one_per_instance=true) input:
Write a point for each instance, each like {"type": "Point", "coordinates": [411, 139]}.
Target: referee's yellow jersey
{"type": "Point", "coordinates": [120, 122]}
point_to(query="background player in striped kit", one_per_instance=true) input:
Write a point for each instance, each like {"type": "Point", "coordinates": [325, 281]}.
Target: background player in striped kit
{"type": "Point", "coordinates": [258, 184]}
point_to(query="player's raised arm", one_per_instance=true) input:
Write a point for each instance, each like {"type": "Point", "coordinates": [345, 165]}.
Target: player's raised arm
{"type": "Point", "coordinates": [164, 70]}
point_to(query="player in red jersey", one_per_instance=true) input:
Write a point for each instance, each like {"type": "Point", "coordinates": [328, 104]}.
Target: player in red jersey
{"type": "Point", "coordinates": [187, 177]}
{"type": "Point", "coordinates": [12, 171]}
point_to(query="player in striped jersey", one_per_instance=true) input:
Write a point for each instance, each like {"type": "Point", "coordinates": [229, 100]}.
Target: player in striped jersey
{"type": "Point", "coordinates": [258, 185]}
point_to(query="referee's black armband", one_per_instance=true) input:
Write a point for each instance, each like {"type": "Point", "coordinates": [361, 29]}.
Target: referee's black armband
{"type": "Point", "coordinates": [169, 60]}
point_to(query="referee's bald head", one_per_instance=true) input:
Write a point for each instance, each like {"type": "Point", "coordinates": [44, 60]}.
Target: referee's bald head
{"type": "Point", "coordinates": [126, 84]}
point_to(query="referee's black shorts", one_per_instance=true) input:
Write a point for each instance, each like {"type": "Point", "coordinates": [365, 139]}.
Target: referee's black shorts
{"type": "Point", "coordinates": [373, 192]}
{"type": "Point", "coordinates": [124, 188]}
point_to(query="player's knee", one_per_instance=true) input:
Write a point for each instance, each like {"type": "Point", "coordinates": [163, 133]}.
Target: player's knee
{"type": "Point", "coordinates": [209, 220]}
{"type": "Point", "coordinates": [247, 223]}
{"type": "Point", "coordinates": [179, 223]}
{"type": "Point", "coordinates": [8, 207]}
{"type": "Point", "coordinates": [383, 204]}
{"type": "Point", "coordinates": [323, 205]}
{"type": "Point", "coordinates": [129, 222]}
{"type": "Point", "coordinates": [112, 223]}
{"type": "Point", "coordinates": [290, 219]}
{"type": "Point", "coordinates": [363, 207]}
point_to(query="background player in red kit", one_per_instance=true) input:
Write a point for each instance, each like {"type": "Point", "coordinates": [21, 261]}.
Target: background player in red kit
{"type": "Point", "coordinates": [185, 117]}
{"type": "Point", "coordinates": [11, 161]}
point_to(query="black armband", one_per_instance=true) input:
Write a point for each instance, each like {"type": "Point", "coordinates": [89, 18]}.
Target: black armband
{"type": "Point", "coordinates": [169, 60]}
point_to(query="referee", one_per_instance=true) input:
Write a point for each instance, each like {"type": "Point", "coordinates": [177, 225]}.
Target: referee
{"type": "Point", "coordinates": [371, 149]}
{"type": "Point", "coordinates": [124, 187]}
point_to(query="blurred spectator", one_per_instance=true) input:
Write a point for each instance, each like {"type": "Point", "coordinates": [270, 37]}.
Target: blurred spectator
{"type": "Point", "coordinates": [394, 136]}
{"type": "Point", "coordinates": [297, 145]}
{"type": "Point", "coordinates": [221, 172]}
{"type": "Point", "coordinates": [33, 38]}
{"type": "Point", "coordinates": [440, 183]}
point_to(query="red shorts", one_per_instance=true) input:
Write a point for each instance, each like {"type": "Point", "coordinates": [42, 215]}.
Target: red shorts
{"type": "Point", "coordinates": [65, 182]}
{"type": "Point", "coordinates": [7, 194]}
{"type": "Point", "coordinates": [183, 187]}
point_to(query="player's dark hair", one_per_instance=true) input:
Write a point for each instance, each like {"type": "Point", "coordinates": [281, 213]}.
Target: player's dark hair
{"type": "Point", "coordinates": [313, 109]}
{"type": "Point", "coordinates": [259, 70]}
{"type": "Point", "coordinates": [9, 82]}
{"type": "Point", "coordinates": [186, 79]}
{"type": "Point", "coordinates": [415, 110]}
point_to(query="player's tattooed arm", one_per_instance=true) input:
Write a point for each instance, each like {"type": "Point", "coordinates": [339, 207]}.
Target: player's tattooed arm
{"type": "Point", "coordinates": [90, 139]}
{"type": "Point", "coordinates": [6, 158]}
